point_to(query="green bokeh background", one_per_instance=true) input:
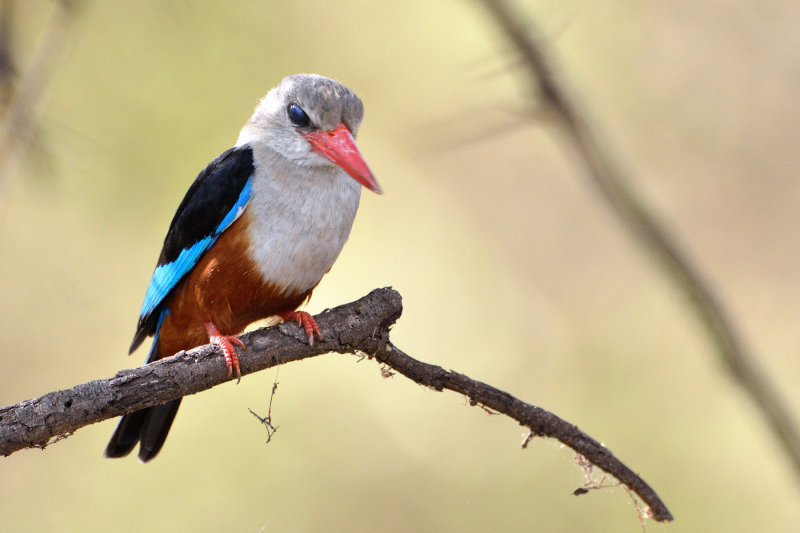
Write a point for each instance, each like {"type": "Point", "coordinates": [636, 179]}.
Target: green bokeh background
{"type": "Point", "coordinates": [512, 269]}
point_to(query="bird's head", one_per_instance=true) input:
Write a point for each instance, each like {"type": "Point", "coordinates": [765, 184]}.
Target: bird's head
{"type": "Point", "coordinates": [312, 121]}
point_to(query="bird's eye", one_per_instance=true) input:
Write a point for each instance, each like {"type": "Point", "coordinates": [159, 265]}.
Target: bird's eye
{"type": "Point", "coordinates": [298, 116]}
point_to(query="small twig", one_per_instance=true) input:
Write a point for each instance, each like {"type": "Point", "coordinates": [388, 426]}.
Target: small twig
{"type": "Point", "coordinates": [610, 180]}
{"type": "Point", "coordinates": [526, 440]}
{"type": "Point", "coordinates": [267, 420]}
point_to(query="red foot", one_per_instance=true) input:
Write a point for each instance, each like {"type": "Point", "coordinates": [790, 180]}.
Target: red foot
{"type": "Point", "coordinates": [226, 342]}
{"type": "Point", "coordinates": [305, 320]}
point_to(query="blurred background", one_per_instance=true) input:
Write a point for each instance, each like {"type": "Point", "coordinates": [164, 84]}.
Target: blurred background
{"type": "Point", "coordinates": [512, 268]}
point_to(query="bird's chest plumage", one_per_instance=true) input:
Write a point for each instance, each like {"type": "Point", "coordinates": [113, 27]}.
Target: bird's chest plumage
{"type": "Point", "coordinates": [268, 261]}
{"type": "Point", "coordinates": [298, 221]}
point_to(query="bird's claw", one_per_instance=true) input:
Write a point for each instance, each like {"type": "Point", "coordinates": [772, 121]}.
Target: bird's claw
{"type": "Point", "coordinates": [306, 321]}
{"type": "Point", "coordinates": [226, 342]}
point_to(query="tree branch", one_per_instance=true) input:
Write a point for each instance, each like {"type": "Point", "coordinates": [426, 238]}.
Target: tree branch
{"type": "Point", "coordinates": [540, 422]}
{"type": "Point", "coordinates": [358, 327]}
{"type": "Point", "coordinates": [612, 182]}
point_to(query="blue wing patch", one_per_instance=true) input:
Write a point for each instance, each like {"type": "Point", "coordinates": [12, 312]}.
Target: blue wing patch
{"type": "Point", "coordinates": [152, 355]}
{"type": "Point", "coordinates": [167, 276]}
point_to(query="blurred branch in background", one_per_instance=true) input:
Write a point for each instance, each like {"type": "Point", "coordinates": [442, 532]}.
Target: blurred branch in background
{"type": "Point", "coordinates": [8, 70]}
{"type": "Point", "coordinates": [22, 102]}
{"type": "Point", "coordinates": [358, 327]}
{"type": "Point", "coordinates": [612, 183]}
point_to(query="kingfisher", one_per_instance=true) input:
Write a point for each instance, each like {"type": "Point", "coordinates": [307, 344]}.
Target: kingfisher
{"type": "Point", "coordinates": [257, 230]}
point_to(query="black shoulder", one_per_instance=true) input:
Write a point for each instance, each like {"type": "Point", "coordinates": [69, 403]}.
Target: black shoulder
{"type": "Point", "coordinates": [209, 199]}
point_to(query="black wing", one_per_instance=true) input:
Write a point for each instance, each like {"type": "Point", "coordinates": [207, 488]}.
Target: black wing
{"type": "Point", "coordinates": [213, 202]}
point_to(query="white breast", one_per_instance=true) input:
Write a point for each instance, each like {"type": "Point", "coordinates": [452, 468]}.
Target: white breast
{"type": "Point", "coordinates": [299, 219]}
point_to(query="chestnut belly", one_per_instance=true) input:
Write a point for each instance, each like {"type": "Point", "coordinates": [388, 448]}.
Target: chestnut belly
{"type": "Point", "coordinates": [225, 288]}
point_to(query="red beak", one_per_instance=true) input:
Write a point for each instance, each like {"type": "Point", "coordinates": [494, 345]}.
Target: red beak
{"type": "Point", "coordinates": [339, 147]}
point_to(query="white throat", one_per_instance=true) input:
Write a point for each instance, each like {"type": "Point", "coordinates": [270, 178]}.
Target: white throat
{"type": "Point", "coordinates": [299, 219]}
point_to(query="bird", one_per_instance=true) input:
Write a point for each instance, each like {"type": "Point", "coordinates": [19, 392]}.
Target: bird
{"type": "Point", "coordinates": [255, 233]}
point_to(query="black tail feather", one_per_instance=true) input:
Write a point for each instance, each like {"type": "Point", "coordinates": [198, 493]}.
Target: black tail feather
{"type": "Point", "coordinates": [155, 428]}
{"type": "Point", "coordinates": [126, 435]}
{"type": "Point", "coordinates": [149, 427]}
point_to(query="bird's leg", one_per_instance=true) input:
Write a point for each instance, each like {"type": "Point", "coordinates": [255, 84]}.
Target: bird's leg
{"type": "Point", "coordinates": [226, 342]}
{"type": "Point", "coordinates": [305, 320]}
